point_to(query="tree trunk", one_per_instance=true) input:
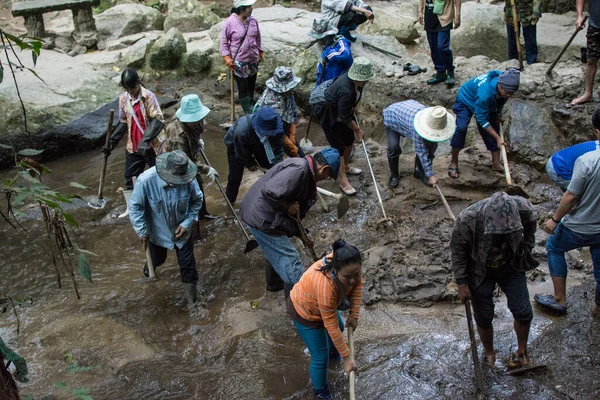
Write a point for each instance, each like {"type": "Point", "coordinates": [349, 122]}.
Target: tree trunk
{"type": "Point", "coordinates": [8, 386]}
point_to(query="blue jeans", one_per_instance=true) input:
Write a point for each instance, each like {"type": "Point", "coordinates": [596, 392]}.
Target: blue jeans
{"type": "Point", "coordinates": [439, 43]}
{"type": "Point", "coordinates": [531, 47]}
{"type": "Point", "coordinates": [559, 181]}
{"type": "Point", "coordinates": [564, 240]}
{"type": "Point", "coordinates": [463, 119]}
{"type": "Point", "coordinates": [319, 345]}
{"type": "Point", "coordinates": [282, 255]}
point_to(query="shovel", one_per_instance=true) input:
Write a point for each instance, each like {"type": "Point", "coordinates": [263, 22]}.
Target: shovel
{"type": "Point", "coordinates": [305, 144]}
{"type": "Point", "coordinates": [251, 244]}
{"type": "Point", "coordinates": [512, 188]}
{"type": "Point", "coordinates": [229, 124]}
{"type": "Point", "coordinates": [151, 273]}
{"type": "Point", "coordinates": [448, 209]}
{"type": "Point", "coordinates": [516, 26]}
{"type": "Point", "coordinates": [99, 203]}
{"type": "Point", "coordinates": [352, 373]}
{"type": "Point", "coordinates": [343, 202]}
{"type": "Point", "coordinates": [304, 237]}
{"type": "Point", "coordinates": [549, 71]}
{"type": "Point", "coordinates": [478, 377]}
{"type": "Point", "coordinates": [385, 218]}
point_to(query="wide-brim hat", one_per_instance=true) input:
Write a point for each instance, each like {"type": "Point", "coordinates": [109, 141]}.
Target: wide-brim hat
{"type": "Point", "coordinates": [435, 124]}
{"type": "Point", "coordinates": [267, 122]}
{"type": "Point", "coordinates": [243, 3]}
{"type": "Point", "coordinates": [361, 70]}
{"type": "Point", "coordinates": [283, 80]}
{"type": "Point", "coordinates": [319, 29]}
{"type": "Point", "coordinates": [175, 168]}
{"type": "Point", "coordinates": [191, 109]}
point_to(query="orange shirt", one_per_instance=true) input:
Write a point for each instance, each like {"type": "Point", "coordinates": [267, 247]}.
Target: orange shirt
{"type": "Point", "coordinates": [316, 297]}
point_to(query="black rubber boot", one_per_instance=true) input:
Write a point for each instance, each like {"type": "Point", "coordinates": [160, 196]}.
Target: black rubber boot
{"type": "Point", "coordinates": [439, 77]}
{"type": "Point", "coordinates": [450, 82]}
{"type": "Point", "coordinates": [274, 282]}
{"type": "Point", "coordinates": [419, 173]}
{"type": "Point", "coordinates": [247, 105]}
{"type": "Point", "coordinates": [394, 174]}
{"type": "Point", "coordinates": [190, 292]}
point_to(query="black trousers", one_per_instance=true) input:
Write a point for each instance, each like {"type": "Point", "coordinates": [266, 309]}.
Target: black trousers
{"type": "Point", "coordinates": [203, 210]}
{"type": "Point", "coordinates": [246, 86]}
{"type": "Point", "coordinates": [352, 19]}
{"type": "Point", "coordinates": [236, 169]}
{"type": "Point", "coordinates": [185, 259]}
{"type": "Point", "coordinates": [135, 164]}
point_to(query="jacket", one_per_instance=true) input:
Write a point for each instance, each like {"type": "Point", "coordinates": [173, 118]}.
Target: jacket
{"type": "Point", "coordinates": [340, 99]}
{"type": "Point", "coordinates": [245, 142]}
{"type": "Point", "coordinates": [526, 11]}
{"type": "Point", "coordinates": [479, 94]}
{"type": "Point", "coordinates": [472, 234]}
{"type": "Point", "coordinates": [338, 57]}
{"type": "Point", "coordinates": [180, 139]}
{"type": "Point", "coordinates": [265, 206]}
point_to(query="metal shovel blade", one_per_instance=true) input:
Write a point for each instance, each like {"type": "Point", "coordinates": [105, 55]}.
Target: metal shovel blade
{"type": "Point", "coordinates": [306, 145]}
{"type": "Point", "coordinates": [515, 190]}
{"type": "Point", "coordinates": [250, 245]}
{"type": "Point", "coordinates": [97, 204]}
{"type": "Point", "coordinates": [343, 206]}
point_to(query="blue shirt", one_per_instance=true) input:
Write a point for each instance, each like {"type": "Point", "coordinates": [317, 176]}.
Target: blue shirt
{"type": "Point", "coordinates": [479, 94]}
{"type": "Point", "coordinates": [400, 117]}
{"type": "Point", "coordinates": [338, 57]}
{"type": "Point", "coordinates": [564, 161]}
{"type": "Point", "coordinates": [156, 209]}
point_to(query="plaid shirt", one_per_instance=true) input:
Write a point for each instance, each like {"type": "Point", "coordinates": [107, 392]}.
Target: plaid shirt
{"type": "Point", "coordinates": [150, 110]}
{"type": "Point", "coordinates": [400, 117]}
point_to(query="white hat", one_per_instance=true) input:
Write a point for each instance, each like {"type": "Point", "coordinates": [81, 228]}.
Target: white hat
{"type": "Point", "coordinates": [435, 124]}
{"type": "Point", "coordinates": [243, 3]}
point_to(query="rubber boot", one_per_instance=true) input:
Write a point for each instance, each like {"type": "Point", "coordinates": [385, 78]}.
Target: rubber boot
{"type": "Point", "coordinates": [274, 282]}
{"type": "Point", "coordinates": [394, 174]}
{"type": "Point", "coordinates": [450, 82]}
{"type": "Point", "coordinates": [190, 292]}
{"type": "Point", "coordinates": [127, 195]}
{"type": "Point", "coordinates": [246, 103]}
{"type": "Point", "coordinates": [345, 31]}
{"type": "Point", "coordinates": [439, 77]}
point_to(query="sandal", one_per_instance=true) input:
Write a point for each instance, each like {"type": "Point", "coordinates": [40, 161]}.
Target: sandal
{"type": "Point", "coordinates": [517, 361]}
{"type": "Point", "coordinates": [453, 172]}
{"type": "Point", "coordinates": [548, 301]}
{"type": "Point", "coordinates": [353, 171]}
{"type": "Point", "coordinates": [348, 190]}
{"type": "Point", "coordinates": [500, 171]}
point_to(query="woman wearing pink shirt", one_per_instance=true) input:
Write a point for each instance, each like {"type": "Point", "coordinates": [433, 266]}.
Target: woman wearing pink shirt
{"type": "Point", "coordinates": [242, 50]}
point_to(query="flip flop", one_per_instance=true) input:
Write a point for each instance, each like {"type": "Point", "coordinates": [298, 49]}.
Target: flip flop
{"type": "Point", "coordinates": [500, 171]}
{"type": "Point", "coordinates": [547, 300]}
{"type": "Point", "coordinates": [517, 361]}
{"type": "Point", "coordinates": [353, 171]}
{"type": "Point", "coordinates": [348, 190]}
{"type": "Point", "coordinates": [453, 173]}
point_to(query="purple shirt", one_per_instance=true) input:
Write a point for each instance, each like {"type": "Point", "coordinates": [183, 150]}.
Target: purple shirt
{"type": "Point", "coordinates": [232, 33]}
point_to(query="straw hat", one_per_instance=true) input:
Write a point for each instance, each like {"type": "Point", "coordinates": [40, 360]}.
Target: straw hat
{"type": "Point", "coordinates": [191, 109]}
{"type": "Point", "coordinates": [319, 29]}
{"type": "Point", "coordinates": [435, 124]}
{"type": "Point", "coordinates": [175, 168]}
{"type": "Point", "coordinates": [361, 70]}
{"type": "Point", "coordinates": [283, 80]}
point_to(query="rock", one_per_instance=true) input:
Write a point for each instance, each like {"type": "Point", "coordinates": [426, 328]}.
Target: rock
{"type": "Point", "coordinates": [557, 6]}
{"type": "Point", "coordinates": [167, 50]}
{"type": "Point", "coordinates": [388, 22]}
{"type": "Point", "coordinates": [72, 53]}
{"type": "Point", "coordinates": [190, 16]}
{"type": "Point", "coordinates": [482, 32]}
{"type": "Point", "coordinates": [553, 31]}
{"type": "Point", "coordinates": [409, 9]}
{"type": "Point", "coordinates": [199, 53]}
{"type": "Point", "coordinates": [135, 56]}
{"type": "Point", "coordinates": [80, 49]}
{"type": "Point", "coordinates": [127, 19]}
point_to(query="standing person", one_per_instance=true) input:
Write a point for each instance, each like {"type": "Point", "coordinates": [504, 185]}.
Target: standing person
{"type": "Point", "coordinates": [426, 126]}
{"type": "Point", "coordinates": [440, 18]}
{"type": "Point", "coordinates": [280, 96]}
{"type": "Point", "coordinates": [331, 284]}
{"type": "Point", "coordinates": [253, 139]}
{"type": "Point", "coordinates": [336, 56]}
{"type": "Point", "coordinates": [241, 48]}
{"type": "Point", "coordinates": [575, 224]}
{"type": "Point", "coordinates": [346, 15]}
{"type": "Point", "coordinates": [141, 118]}
{"type": "Point", "coordinates": [491, 244]}
{"type": "Point", "coordinates": [184, 132]}
{"type": "Point", "coordinates": [334, 106]}
{"type": "Point", "coordinates": [286, 191]}
{"type": "Point", "coordinates": [484, 96]}
{"type": "Point", "coordinates": [528, 14]}
{"type": "Point", "coordinates": [593, 47]}
{"type": "Point", "coordinates": [164, 204]}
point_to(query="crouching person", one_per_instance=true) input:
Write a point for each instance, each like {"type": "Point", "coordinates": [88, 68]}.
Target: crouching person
{"type": "Point", "coordinates": [164, 204]}
{"type": "Point", "coordinates": [331, 284]}
{"type": "Point", "coordinates": [491, 244]}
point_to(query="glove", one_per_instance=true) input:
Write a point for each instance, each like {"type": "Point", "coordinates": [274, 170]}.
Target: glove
{"type": "Point", "coordinates": [212, 174]}
{"type": "Point", "coordinates": [229, 62]}
{"type": "Point", "coordinates": [260, 55]}
{"type": "Point", "coordinates": [152, 130]}
{"type": "Point", "coordinates": [115, 136]}
{"type": "Point", "coordinates": [202, 144]}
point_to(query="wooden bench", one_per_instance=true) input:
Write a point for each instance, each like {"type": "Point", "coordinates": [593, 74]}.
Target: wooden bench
{"type": "Point", "coordinates": [33, 13]}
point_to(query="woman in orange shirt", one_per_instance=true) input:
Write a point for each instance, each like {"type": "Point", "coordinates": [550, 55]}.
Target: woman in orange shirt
{"type": "Point", "coordinates": [331, 284]}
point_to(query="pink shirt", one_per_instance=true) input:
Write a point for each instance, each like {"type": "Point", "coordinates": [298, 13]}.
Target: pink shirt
{"type": "Point", "coordinates": [232, 33]}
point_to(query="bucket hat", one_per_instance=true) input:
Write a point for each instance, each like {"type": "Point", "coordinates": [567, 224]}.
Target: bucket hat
{"type": "Point", "coordinates": [283, 80]}
{"type": "Point", "coordinates": [175, 168]}
{"type": "Point", "coordinates": [435, 124]}
{"type": "Point", "coordinates": [332, 157]}
{"type": "Point", "coordinates": [361, 70]}
{"type": "Point", "coordinates": [243, 3]}
{"type": "Point", "coordinates": [191, 109]}
{"type": "Point", "coordinates": [267, 122]}
{"type": "Point", "coordinates": [319, 29]}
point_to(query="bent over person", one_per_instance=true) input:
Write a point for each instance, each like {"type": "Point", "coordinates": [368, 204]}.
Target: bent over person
{"type": "Point", "coordinates": [491, 244]}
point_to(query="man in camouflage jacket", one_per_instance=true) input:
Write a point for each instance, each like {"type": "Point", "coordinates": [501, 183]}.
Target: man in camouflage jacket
{"type": "Point", "coordinates": [528, 14]}
{"type": "Point", "coordinates": [489, 239]}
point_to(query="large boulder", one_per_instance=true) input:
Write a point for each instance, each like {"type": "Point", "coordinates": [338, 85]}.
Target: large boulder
{"type": "Point", "coordinates": [167, 51]}
{"type": "Point", "coordinates": [553, 32]}
{"type": "Point", "coordinates": [558, 6]}
{"type": "Point", "coordinates": [190, 16]}
{"type": "Point", "coordinates": [135, 56]}
{"type": "Point", "coordinates": [127, 19]}
{"type": "Point", "coordinates": [482, 32]}
{"type": "Point", "coordinates": [200, 47]}
{"type": "Point", "coordinates": [389, 22]}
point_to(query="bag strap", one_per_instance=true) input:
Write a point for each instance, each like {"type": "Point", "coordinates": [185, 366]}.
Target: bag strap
{"type": "Point", "coordinates": [135, 117]}
{"type": "Point", "coordinates": [242, 42]}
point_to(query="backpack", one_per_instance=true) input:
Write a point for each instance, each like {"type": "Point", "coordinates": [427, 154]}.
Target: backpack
{"type": "Point", "coordinates": [318, 93]}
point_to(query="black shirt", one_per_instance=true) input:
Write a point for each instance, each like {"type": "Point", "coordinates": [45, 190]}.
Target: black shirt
{"type": "Point", "coordinates": [431, 20]}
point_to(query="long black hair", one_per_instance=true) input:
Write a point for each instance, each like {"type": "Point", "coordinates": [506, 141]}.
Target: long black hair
{"type": "Point", "coordinates": [343, 254]}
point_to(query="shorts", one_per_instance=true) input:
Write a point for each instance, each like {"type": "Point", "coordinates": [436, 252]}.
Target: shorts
{"type": "Point", "coordinates": [339, 137]}
{"type": "Point", "coordinates": [593, 43]}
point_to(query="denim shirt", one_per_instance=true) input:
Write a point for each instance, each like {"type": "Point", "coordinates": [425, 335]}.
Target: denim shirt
{"type": "Point", "coordinates": [157, 208]}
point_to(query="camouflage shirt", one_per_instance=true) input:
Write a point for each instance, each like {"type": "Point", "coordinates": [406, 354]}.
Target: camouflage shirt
{"type": "Point", "coordinates": [178, 138]}
{"type": "Point", "coordinates": [475, 226]}
{"type": "Point", "coordinates": [526, 11]}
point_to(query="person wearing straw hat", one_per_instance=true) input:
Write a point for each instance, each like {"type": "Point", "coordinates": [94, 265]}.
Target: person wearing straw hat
{"type": "Point", "coordinates": [336, 56]}
{"type": "Point", "coordinates": [164, 204]}
{"type": "Point", "coordinates": [255, 139]}
{"type": "Point", "coordinates": [346, 15]}
{"type": "Point", "coordinates": [279, 95]}
{"type": "Point", "coordinates": [241, 48]}
{"type": "Point", "coordinates": [426, 126]}
{"type": "Point", "coordinates": [184, 132]}
{"type": "Point", "coordinates": [334, 104]}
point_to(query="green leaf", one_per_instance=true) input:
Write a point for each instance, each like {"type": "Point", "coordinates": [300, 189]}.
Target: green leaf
{"type": "Point", "coordinates": [25, 175]}
{"type": "Point", "coordinates": [30, 152]}
{"type": "Point", "coordinates": [36, 75]}
{"type": "Point", "coordinates": [34, 56]}
{"type": "Point", "coordinates": [79, 185]}
{"type": "Point", "coordinates": [46, 169]}
{"type": "Point", "coordinates": [25, 165]}
{"type": "Point", "coordinates": [51, 203]}
{"type": "Point", "coordinates": [87, 252]}
{"type": "Point", "coordinates": [20, 198]}
{"type": "Point", "coordinates": [68, 356]}
{"type": "Point", "coordinates": [70, 220]}
{"type": "Point", "coordinates": [84, 267]}
{"type": "Point", "coordinates": [5, 146]}
{"type": "Point", "coordinates": [60, 385]}
{"type": "Point", "coordinates": [8, 182]}
{"type": "Point", "coordinates": [62, 199]}
{"type": "Point", "coordinates": [74, 368]}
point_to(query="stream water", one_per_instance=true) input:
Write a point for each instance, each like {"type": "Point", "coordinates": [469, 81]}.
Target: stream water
{"type": "Point", "coordinates": [141, 342]}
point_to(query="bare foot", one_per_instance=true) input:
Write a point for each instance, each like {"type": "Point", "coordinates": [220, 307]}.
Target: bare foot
{"type": "Point", "coordinates": [490, 358]}
{"type": "Point", "coordinates": [586, 98]}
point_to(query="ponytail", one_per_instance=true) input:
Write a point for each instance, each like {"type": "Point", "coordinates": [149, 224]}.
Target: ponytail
{"type": "Point", "coordinates": [343, 254]}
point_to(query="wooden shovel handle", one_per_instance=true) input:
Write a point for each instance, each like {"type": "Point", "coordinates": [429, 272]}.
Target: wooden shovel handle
{"type": "Point", "coordinates": [505, 160]}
